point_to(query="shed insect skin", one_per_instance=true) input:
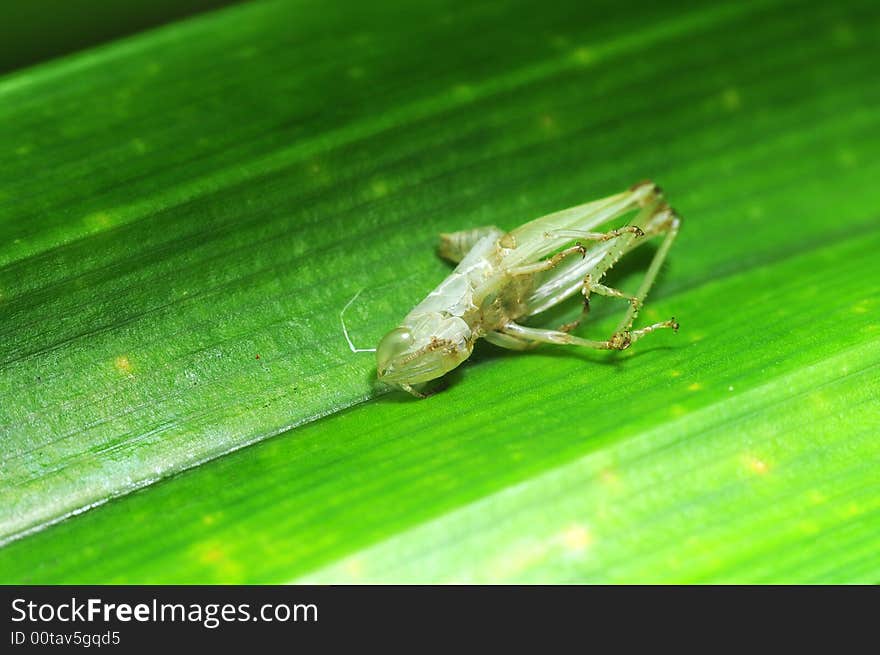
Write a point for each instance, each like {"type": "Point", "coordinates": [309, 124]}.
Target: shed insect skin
{"type": "Point", "coordinates": [502, 278]}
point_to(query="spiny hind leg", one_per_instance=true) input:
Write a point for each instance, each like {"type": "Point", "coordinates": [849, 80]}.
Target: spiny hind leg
{"type": "Point", "coordinates": [587, 288]}
{"type": "Point", "coordinates": [455, 245]}
{"type": "Point", "coordinates": [665, 222]}
{"type": "Point", "coordinates": [618, 341]}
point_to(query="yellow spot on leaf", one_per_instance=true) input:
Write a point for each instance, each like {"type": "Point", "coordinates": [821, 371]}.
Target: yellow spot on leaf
{"type": "Point", "coordinates": [211, 555]}
{"type": "Point", "coordinates": [675, 374]}
{"type": "Point", "coordinates": [731, 100]}
{"type": "Point", "coordinates": [576, 538]}
{"type": "Point", "coordinates": [354, 567]}
{"type": "Point", "coordinates": [379, 188]}
{"type": "Point", "coordinates": [518, 559]}
{"type": "Point", "coordinates": [846, 158]}
{"type": "Point", "coordinates": [214, 554]}
{"type": "Point", "coordinates": [23, 150]}
{"type": "Point", "coordinates": [863, 306]}
{"type": "Point", "coordinates": [98, 220]}
{"type": "Point", "coordinates": [463, 91]}
{"type": "Point", "coordinates": [210, 519]}
{"type": "Point", "coordinates": [122, 364]}
{"type": "Point", "coordinates": [583, 56]}
{"type": "Point", "coordinates": [819, 400]}
{"type": "Point", "coordinates": [548, 123]}
{"type": "Point", "coordinates": [756, 465]}
{"type": "Point", "coordinates": [695, 386]}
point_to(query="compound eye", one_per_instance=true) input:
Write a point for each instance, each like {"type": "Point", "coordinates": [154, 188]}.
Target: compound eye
{"type": "Point", "coordinates": [393, 344]}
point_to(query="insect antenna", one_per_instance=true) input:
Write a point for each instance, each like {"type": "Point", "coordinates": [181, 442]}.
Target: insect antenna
{"type": "Point", "coordinates": [345, 329]}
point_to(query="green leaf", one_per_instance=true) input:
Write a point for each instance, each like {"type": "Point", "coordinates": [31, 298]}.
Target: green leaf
{"type": "Point", "coordinates": [184, 213]}
{"type": "Point", "coordinates": [37, 30]}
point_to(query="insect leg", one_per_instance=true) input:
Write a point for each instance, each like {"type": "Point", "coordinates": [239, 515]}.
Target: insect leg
{"type": "Point", "coordinates": [594, 236]}
{"type": "Point", "coordinates": [547, 264]}
{"type": "Point", "coordinates": [665, 221]}
{"type": "Point", "coordinates": [455, 245]}
{"type": "Point", "coordinates": [617, 243]}
{"type": "Point", "coordinates": [618, 341]}
{"type": "Point", "coordinates": [585, 310]}
{"type": "Point", "coordinates": [539, 335]}
{"type": "Point", "coordinates": [410, 390]}
{"type": "Point", "coordinates": [587, 288]}
{"type": "Point", "coordinates": [509, 341]}
{"type": "Point", "coordinates": [594, 287]}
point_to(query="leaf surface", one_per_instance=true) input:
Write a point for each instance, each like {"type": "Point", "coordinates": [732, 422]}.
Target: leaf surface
{"type": "Point", "coordinates": [184, 213]}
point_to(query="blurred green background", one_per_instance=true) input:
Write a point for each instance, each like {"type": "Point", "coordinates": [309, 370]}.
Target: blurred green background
{"type": "Point", "coordinates": [32, 31]}
{"type": "Point", "coordinates": [184, 212]}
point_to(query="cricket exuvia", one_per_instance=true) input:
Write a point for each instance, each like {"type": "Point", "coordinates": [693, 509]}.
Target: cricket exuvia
{"type": "Point", "coordinates": [503, 278]}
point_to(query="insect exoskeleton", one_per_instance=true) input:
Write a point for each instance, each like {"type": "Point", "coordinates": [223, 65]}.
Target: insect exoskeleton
{"type": "Point", "coordinates": [431, 346]}
{"type": "Point", "coordinates": [503, 279]}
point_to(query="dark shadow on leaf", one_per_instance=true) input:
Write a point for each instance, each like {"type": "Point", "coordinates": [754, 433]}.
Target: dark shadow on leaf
{"type": "Point", "coordinates": [389, 394]}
